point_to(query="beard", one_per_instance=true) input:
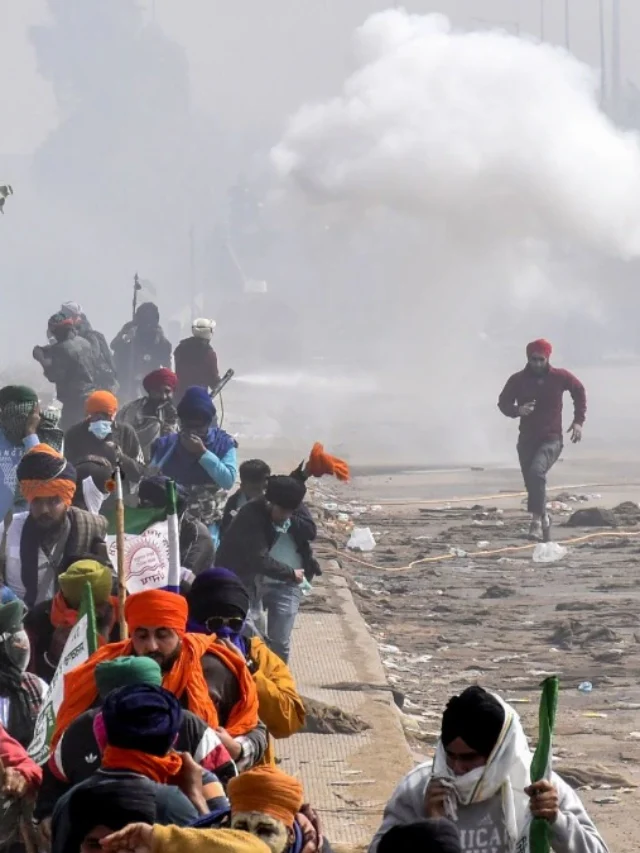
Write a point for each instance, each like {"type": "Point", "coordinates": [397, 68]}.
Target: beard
{"type": "Point", "coordinates": [165, 662]}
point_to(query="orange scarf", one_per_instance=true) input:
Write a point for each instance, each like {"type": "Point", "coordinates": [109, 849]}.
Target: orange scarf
{"type": "Point", "coordinates": [162, 770]}
{"type": "Point", "coordinates": [63, 616]}
{"type": "Point", "coordinates": [184, 677]}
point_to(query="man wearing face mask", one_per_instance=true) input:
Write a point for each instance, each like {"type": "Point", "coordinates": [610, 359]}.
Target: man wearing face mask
{"type": "Point", "coordinates": [201, 457]}
{"type": "Point", "coordinates": [534, 395]}
{"type": "Point", "coordinates": [21, 692]}
{"type": "Point", "coordinates": [99, 434]}
{"type": "Point", "coordinates": [479, 778]}
{"type": "Point", "coordinates": [268, 545]}
{"type": "Point", "coordinates": [41, 542]}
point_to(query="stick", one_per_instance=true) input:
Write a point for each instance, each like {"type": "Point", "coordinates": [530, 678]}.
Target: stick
{"type": "Point", "coordinates": [122, 589]}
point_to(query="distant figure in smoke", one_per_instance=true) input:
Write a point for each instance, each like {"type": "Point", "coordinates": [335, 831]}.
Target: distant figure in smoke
{"type": "Point", "coordinates": [105, 370]}
{"type": "Point", "coordinates": [138, 348]}
{"type": "Point", "coordinates": [69, 363]}
{"type": "Point", "coordinates": [535, 396]}
{"type": "Point", "coordinates": [196, 360]}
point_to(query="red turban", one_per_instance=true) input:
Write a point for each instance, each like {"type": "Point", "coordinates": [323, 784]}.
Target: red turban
{"type": "Point", "coordinates": [157, 608]}
{"type": "Point", "coordinates": [101, 402]}
{"type": "Point", "coordinates": [158, 379]}
{"type": "Point", "coordinates": [539, 347]}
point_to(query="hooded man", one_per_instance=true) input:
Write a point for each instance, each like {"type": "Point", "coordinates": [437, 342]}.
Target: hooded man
{"type": "Point", "coordinates": [268, 545]}
{"type": "Point", "coordinates": [534, 395]}
{"type": "Point", "coordinates": [21, 693]}
{"type": "Point", "coordinates": [78, 753]}
{"type": "Point", "coordinates": [153, 415]}
{"type": "Point", "coordinates": [202, 457]}
{"type": "Point", "coordinates": [209, 679]}
{"type": "Point", "coordinates": [41, 542]}
{"type": "Point", "coordinates": [195, 358]}
{"type": "Point", "coordinates": [69, 363]}
{"type": "Point", "coordinates": [105, 370]}
{"type": "Point", "coordinates": [141, 723]}
{"type": "Point", "coordinates": [19, 421]}
{"type": "Point", "coordinates": [100, 434]}
{"type": "Point", "coordinates": [219, 604]}
{"type": "Point", "coordinates": [49, 623]}
{"type": "Point", "coordinates": [139, 347]}
{"type": "Point", "coordinates": [480, 779]}
{"type": "Point", "coordinates": [196, 546]}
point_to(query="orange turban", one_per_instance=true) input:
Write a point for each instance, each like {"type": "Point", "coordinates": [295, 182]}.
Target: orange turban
{"type": "Point", "coordinates": [266, 790]}
{"type": "Point", "coordinates": [101, 402]}
{"type": "Point", "coordinates": [157, 608]}
{"type": "Point", "coordinates": [321, 463]}
{"type": "Point", "coordinates": [45, 473]}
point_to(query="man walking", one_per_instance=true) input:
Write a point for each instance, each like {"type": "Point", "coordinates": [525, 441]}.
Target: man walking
{"type": "Point", "coordinates": [535, 396]}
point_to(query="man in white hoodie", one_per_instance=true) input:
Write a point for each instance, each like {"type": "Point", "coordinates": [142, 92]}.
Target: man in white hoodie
{"type": "Point", "coordinates": [479, 778]}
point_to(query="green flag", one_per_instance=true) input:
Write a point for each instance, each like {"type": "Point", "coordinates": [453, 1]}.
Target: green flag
{"type": "Point", "coordinates": [540, 829]}
{"type": "Point", "coordinates": [81, 643]}
{"type": "Point", "coordinates": [136, 519]}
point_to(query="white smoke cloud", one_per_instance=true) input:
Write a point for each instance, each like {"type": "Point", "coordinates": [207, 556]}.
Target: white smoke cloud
{"type": "Point", "coordinates": [494, 135]}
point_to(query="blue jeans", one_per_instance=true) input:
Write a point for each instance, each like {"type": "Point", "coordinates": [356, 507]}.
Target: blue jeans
{"type": "Point", "coordinates": [280, 603]}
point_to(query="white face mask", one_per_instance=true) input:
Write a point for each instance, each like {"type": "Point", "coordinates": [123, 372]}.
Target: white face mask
{"type": "Point", "coordinates": [101, 429]}
{"type": "Point", "coordinates": [466, 784]}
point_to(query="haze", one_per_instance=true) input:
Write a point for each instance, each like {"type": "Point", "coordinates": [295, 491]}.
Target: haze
{"type": "Point", "coordinates": [157, 137]}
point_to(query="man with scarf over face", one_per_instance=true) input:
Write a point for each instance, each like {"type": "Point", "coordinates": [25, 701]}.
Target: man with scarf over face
{"type": "Point", "coordinates": [219, 604]}
{"type": "Point", "coordinates": [153, 415]}
{"type": "Point", "coordinates": [21, 692]}
{"type": "Point", "coordinates": [534, 395]}
{"type": "Point", "coordinates": [209, 679]}
{"type": "Point", "coordinates": [41, 541]}
{"type": "Point", "coordinates": [479, 778]}
{"type": "Point", "coordinates": [19, 421]}
{"type": "Point", "coordinates": [201, 457]}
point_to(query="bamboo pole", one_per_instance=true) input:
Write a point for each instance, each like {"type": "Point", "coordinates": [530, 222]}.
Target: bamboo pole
{"type": "Point", "coordinates": [122, 589]}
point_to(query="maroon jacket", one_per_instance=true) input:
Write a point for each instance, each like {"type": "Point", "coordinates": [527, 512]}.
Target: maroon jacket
{"type": "Point", "coordinates": [12, 754]}
{"type": "Point", "coordinates": [196, 364]}
{"type": "Point", "coordinates": [547, 389]}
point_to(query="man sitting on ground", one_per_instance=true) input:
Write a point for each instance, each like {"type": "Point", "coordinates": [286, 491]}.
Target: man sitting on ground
{"type": "Point", "coordinates": [49, 623]}
{"type": "Point", "coordinates": [480, 775]}
{"type": "Point", "coordinates": [78, 753]}
{"type": "Point", "coordinates": [153, 415]}
{"type": "Point", "coordinates": [99, 434]}
{"type": "Point", "coordinates": [41, 542]}
{"type": "Point", "coordinates": [219, 604]}
{"type": "Point", "coordinates": [208, 679]}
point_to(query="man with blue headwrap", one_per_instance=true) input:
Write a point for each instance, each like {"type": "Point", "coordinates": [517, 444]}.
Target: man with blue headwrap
{"type": "Point", "coordinates": [201, 457]}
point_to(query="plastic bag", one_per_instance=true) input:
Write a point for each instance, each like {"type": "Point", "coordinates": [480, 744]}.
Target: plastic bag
{"type": "Point", "coordinates": [549, 552]}
{"type": "Point", "coordinates": [361, 539]}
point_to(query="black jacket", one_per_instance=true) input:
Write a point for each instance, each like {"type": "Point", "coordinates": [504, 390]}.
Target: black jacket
{"type": "Point", "coordinates": [251, 535]}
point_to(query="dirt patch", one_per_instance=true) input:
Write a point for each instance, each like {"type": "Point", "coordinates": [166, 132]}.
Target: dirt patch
{"type": "Point", "coordinates": [324, 719]}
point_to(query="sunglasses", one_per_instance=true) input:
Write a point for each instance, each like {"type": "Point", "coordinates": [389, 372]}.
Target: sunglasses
{"type": "Point", "coordinates": [234, 623]}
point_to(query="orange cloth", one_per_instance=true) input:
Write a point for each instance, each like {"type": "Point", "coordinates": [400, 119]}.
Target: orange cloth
{"type": "Point", "coordinates": [321, 463]}
{"type": "Point", "coordinates": [62, 616]}
{"type": "Point", "coordinates": [268, 791]}
{"type": "Point", "coordinates": [159, 769]}
{"type": "Point", "coordinates": [185, 677]}
{"type": "Point", "coordinates": [101, 402]}
{"type": "Point", "coordinates": [158, 608]}
{"type": "Point", "coordinates": [55, 487]}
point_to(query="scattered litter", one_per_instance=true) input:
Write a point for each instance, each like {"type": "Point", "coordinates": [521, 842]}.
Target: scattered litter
{"type": "Point", "coordinates": [483, 544]}
{"type": "Point", "coordinates": [607, 801]}
{"type": "Point", "coordinates": [389, 650]}
{"type": "Point", "coordinates": [596, 714]}
{"type": "Point", "coordinates": [593, 517]}
{"type": "Point", "coordinates": [343, 516]}
{"type": "Point", "coordinates": [585, 687]}
{"type": "Point", "coordinates": [457, 552]}
{"type": "Point", "coordinates": [549, 552]}
{"type": "Point", "coordinates": [634, 735]}
{"type": "Point", "coordinates": [498, 591]}
{"type": "Point", "coordinates": [558, 506]}
{"type": "Point", "coordinates": [361, 539]}
{"type": "Point", "coordinates": [519, 701]}
{"type": "Point", "coordinates": [376, 508]}
{"type": "Point", "coordinates": [330, 507]}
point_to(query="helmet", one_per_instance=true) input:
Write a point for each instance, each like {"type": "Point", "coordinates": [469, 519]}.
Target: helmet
{"type": "Point", "coordinates": [203, 328]}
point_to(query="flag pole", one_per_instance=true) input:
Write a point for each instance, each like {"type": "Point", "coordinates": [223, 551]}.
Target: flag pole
{"type": "Point", "coordinates": [122, 589]}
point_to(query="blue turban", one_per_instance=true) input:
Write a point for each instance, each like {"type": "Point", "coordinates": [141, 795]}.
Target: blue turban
{"type": "Point", "coordinates": [142, 717]}
{"type": "Point", "coordinates": [196, 402]}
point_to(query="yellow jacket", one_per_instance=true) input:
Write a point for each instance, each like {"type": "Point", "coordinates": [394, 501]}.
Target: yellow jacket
{"type": "Point", "coordinates": [280, 707]}
{"type": "Point", "coordinates": [173, 839]}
